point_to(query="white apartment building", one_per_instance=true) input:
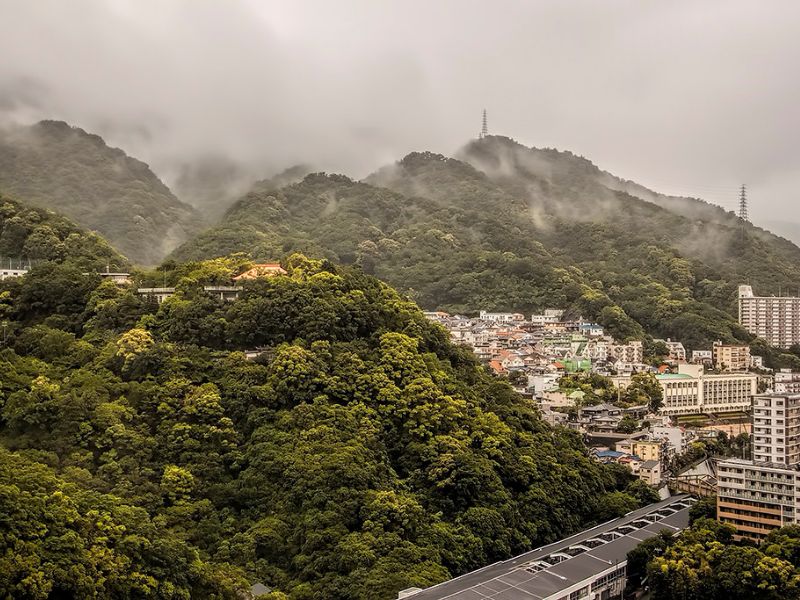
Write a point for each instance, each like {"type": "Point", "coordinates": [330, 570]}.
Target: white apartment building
{"type": "Point", "coordinates": [775, 319]}
{"type": "Point", "coordinates": [776, 428]}
{"type": "Point", "coordinates": [550, 315]}
{"type": "Point", "coordinates": [501, 317]}
{"type": "Point", "coordinates": [677, 351]}
{"type": "Point", "coordinates": [677, 438]}
{"type": "Point", "coordinates": [632, 352]}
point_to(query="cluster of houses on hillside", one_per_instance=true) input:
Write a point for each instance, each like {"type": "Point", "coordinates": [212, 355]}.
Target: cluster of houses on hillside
{"type": "Point", "coordinates": [535, 352]}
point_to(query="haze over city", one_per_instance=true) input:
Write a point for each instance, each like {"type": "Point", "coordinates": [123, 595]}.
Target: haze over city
{"type": "Point", "coordinates": [688, 98]}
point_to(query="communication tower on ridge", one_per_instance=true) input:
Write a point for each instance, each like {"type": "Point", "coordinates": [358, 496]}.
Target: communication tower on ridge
{"type": "Point", "coordinates": [484, 127]}
{"type": "Point", "coordinates": [743, 203]}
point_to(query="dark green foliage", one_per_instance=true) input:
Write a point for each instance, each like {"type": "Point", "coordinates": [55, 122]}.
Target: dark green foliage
{"type": "Point", "coordinates": [63, 168]}
{"type": "Point", "coordinates": [360, 454]}
{"type": "Point", "coordinates": [704, 508]}
{"type": "Point", "coordinates": [515, 228]}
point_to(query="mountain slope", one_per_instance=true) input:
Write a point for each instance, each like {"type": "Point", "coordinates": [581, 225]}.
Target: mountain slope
{"type": "Point", "coordinates": [513, 228]}
{"type": "Point", "coordinates": [53, 165]}
{"type": "Point", "coordinates": [33, 235]}
{"type": "Point", "coordinates": [360, 454]}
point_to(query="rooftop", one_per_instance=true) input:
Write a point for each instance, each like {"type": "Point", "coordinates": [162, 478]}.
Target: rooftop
{"type": "Point", "coordinates": [549, 570]}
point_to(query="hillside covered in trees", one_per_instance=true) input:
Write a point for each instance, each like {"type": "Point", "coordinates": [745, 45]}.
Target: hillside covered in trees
{"type": "Point", "coordinates": [40, 235]}
{"type": "Point", "coordinates": [515, 228]}
{"type": "Point", "coordinates": [143, 455]}
{"type": "Point", "coordinates": [66, 169]}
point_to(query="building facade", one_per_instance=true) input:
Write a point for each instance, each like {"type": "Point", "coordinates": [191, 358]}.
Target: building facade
{"type": "Point", "coordinates": [775, 319]}
{"type": "Point", "coordinates": [786, 382]}
{"type": "Point", "coordinates": [759, 495]}
{"type": "Point", "coordinates": [728, 357]}
{"type": "Point", "coordinates": [692, 391]}
{"type": "Point", "coordinates": [8, 273]}
{"type": "Point", "coordinates": [776, 428]}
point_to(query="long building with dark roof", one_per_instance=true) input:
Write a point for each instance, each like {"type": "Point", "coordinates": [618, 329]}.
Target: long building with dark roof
{"type": "Point", "coordinates": [590, 565]}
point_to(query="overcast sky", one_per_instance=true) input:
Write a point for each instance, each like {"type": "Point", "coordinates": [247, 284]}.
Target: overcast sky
{"type": "Point", "coordinates": [689, 97]}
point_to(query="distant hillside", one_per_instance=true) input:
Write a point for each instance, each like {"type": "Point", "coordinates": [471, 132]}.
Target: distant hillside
{"type": "Point", "coordinates": [66, 169]}
{"type": "Point", "coordinates": [31, 235]}
{"type": "Point", "coordinates": [508, 227]}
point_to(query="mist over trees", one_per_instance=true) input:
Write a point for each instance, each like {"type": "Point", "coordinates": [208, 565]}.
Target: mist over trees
{"type": "Point", "coordinates": [519, 229]}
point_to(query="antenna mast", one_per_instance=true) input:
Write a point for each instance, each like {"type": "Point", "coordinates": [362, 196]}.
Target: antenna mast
{"type": "Point", "coordinates": [742, 211]}
{"type": "Point", "coordinates": [743, 203]}
{"type": "Point", "coordinates": [484, 127]}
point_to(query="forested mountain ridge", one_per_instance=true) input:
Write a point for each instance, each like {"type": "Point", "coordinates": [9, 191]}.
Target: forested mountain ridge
{"type": "Point", "coordinates": [30, 235]}
{"type": "Point", "coordinates": [514, 228]}
{"type": "Point", "coordinates": [53, 165]}
{"type": "Point", "coordinates": [360, 454]}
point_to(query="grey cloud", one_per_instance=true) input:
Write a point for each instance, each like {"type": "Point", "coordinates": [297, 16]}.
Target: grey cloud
{"type": "Point", "coordinates": [685, 97]}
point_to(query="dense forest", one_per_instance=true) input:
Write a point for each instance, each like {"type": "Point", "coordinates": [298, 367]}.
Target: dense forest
{"type": "Point", "coordinates": [515, 228]}
{"type": "Point", "coordinates": [705, 563]}
{"type": "Point", "coordinates": [66, 169]}
{"type": "Point", "coordinates": [144, 455]}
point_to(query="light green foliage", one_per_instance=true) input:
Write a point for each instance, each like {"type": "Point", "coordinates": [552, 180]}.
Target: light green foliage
{"type": "Point", "coordinates": [644, 389]}
{"type": "Point", "coordinates": [704, 563]}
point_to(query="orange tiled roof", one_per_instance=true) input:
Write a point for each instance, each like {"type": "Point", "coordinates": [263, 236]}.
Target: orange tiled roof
{"type": "Point", "coordinates": [262, 270]}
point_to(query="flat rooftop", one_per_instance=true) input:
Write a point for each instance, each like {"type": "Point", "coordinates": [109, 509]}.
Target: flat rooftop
{"type": "Point", "coordinates": [549, 570]}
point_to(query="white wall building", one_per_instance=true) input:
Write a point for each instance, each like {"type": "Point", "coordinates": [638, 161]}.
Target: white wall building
{"type": "Point", "coordinates": [8, 273]}
{"type": "Point", "coordinates": [692, 391]}
{"type": "Point", "coordinates": [501, 317]}
{"type": "Point", "coordinates": [775, 319]}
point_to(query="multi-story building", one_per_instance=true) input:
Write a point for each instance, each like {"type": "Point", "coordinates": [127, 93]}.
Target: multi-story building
{"type": "Point", "coordinates": [632, 352]}
{"type": "Point", "coordinates": [759, 495]}
{"type": "Point", "coordinates": [550, 315]}
{"type": "Point", "coordinates": [728, 392]}
{"type": "Point", "coordinates": [702, 357]}
{"type": "Point", "coordinates": [728, 357]}
{"type": "Point", "coordinates": [501, 317]}
{"type": "Point", "coordinates": [692, 391]}
{"type": "Point", "coordinates": [677, 351]}
{"type": "Point", "coordinates": [775, 319]}
{"type": "Point", "coordinates": [776, 428]}
{"type": "Point", "coordinates": [676, 438]}
{"type": "Point", "coordinates": [644, 449]}
{"type": "Point", "coordinates": [786, 382]}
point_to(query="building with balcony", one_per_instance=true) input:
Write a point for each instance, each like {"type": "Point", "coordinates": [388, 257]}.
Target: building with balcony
{"type": "Point", "coordinates": [729, 357]}
{"type": "Point", "coordinates": [775, 319]}
{"type": "Point", "coordinates": [759, 495]}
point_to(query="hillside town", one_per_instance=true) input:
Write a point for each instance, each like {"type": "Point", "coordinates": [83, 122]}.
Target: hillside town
{"type": "Point", "coordinates": [581, 378]}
